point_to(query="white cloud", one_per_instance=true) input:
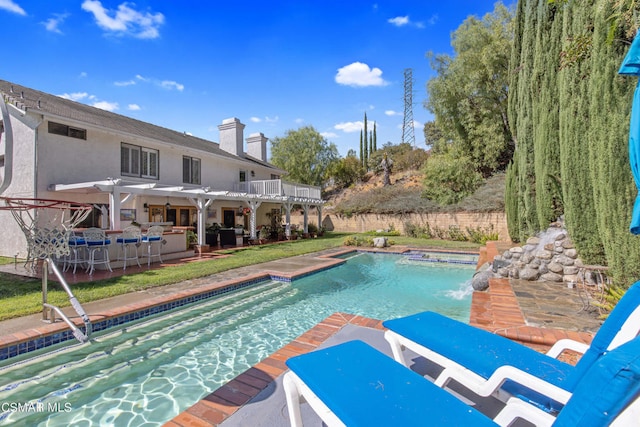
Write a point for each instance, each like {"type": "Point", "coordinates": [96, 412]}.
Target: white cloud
{"type": "Point", "coordinates": [139, 77]}
{"type": "Point", "coordinates": [350, 126]}
{"type": "Point", "coordinates": [169, 84]}
{"type": "Point", "coordinates": [53, 24]}
{"type": "Point", "coordinates": [329, 134]}
{"type": "Point", "coordinates": [392, 113]}
{"type": "Point", "coordinates": [133, 107]}
{"type": "Point", "coordinates": [105, 105]}
{"type": "Point", "coordinates": [76, 96]}
{"type": "Point", "coordinates": [399, 21]}
{"type": "Point", "coordinates": [125, 83]}
{"type": "Point", "coordinates": [299, 121]}
{"type": "Point", "coordinates": [255, 119]}
{"type": "Point", "coordinates": [125, 20]}
{"type": "Point", "coordinates": [359, 74]}
{"type": "Point", "coordinates": [271, 119]}
{"type": "Point", "coordinates": [11, 6]}
{"type": "Point", "coordinates": [83, 74]}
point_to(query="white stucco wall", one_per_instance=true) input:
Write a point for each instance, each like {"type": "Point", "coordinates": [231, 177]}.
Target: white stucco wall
{"type": "Point", "coordinates": [42, 159]}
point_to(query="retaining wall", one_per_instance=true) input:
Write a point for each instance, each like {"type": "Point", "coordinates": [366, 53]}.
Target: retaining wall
{"type": "Point", "coordinates": [367, 222]}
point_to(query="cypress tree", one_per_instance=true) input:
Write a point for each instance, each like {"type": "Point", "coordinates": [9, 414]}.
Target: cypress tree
{"type": "Point", "coordinates": [375, 138]}
{"type": "Point", "coordinates": [365, 145]}
{"type": "Point", "coordinates": [577, 187]}
{"type": "Point", "coordinates": [361, 150]}
{"type": "Point", "coordinates": [512, 193]}
{"type": "Point", "coordinates": [370, 142]}
{"type": "Point", "coordinates": [546, 63]}
{"type": "Point", "coordinates": [525, 153]}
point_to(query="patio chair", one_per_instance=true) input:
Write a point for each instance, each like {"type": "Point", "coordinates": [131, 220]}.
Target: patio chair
{"type": "Point", "coordinates": [97, 243]}
{"type": "Point", "coordinates": [354, 384]}
{"type": "Point", "coordinates": [153, 239]}
{"type": "Point", "coordinates": [129, 242]}
{"type": "Point", "coordinates": [77, 254]}
{"type": "Point", "coordinates": [489, 364]}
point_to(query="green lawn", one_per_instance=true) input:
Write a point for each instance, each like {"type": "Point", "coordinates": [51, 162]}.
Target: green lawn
{"type": "Point", "coordinates": [21, 296]}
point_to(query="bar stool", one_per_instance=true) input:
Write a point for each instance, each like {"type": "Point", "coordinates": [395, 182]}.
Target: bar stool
{"type": "Point", "coordinates": [97, 243]}
{"type": "Point", "coordinates": [129, 242]}
{"type": "Point", "coordinates": [153, 238]}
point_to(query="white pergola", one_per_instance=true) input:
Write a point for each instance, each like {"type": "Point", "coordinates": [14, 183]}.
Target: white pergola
{"type": "Point", "coordinates": [120, 192]}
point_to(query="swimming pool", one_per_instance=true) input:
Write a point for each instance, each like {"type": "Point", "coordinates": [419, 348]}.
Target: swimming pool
{"type": "Point", "coordinates": [151, 371]}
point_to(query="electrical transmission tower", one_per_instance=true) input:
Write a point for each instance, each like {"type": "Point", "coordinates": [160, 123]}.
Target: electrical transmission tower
{"type": "Point", "coordinates": [408, 135]}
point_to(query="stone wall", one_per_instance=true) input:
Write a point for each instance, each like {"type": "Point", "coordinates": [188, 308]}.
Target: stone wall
{"type": "Point", "coordinates": [368, 222]}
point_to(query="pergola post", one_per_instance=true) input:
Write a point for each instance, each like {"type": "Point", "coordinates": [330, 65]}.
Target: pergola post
{"type": "Point", "coordinates": [305, 209]}
{"type": "Point", "coordinates": [253, 207]}
{"type": "Point", "coordinates": [319, 207]}
{"type": "Point", "coordinates": [201, 205]}
{"type": "Point", "coordinates": [288, 206]}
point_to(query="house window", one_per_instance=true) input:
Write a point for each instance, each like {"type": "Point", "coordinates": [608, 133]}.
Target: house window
{"type": "Point", "coordinates": [138, 161]}
{"type": "Point", "coordinates": [274, 176]}
{"type": "Point", "coordinates": [190, 170]}
{"type": "Point", "coordinates": [64, 130]}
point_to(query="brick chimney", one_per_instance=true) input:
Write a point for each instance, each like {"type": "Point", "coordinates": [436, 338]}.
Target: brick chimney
{"type": "Point", "coordinates": [257, 146]}
{"type": "Point", "coordinates": [231, 136]}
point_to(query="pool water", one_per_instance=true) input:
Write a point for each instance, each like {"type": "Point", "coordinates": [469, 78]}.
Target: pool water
{"type": "Point", "coordinates": [149, 372]}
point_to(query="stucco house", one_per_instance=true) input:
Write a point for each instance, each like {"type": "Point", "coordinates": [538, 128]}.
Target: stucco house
{"type": "Point", "coordinates": [132, 171]}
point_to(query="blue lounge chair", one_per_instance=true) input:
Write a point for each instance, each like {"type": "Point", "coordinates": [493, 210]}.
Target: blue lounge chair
{"type": "Point", "coordinates": [489, 364]}
{"type": "Point", "coordinates": [352, 384]}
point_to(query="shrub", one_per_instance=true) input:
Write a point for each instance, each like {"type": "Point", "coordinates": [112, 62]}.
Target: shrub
{"type": "Point", "coordinates": [414, 230]}
{"type": "Point", "coordinates": [482, 236]}
{"type": "Point", "coordinates": [449, 178]}
{"type": "Point", "coordinates": [358, 241]}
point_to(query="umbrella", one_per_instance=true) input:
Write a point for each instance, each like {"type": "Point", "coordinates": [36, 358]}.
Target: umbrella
{"type": "Point", "coordinates": [631, 66]}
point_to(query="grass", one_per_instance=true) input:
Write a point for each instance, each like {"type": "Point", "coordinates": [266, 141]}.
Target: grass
{"type": "Point", "coordinates": [20, 296]}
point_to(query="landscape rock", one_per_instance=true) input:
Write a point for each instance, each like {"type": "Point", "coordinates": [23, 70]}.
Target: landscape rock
{"type": "Point", "coordinates": [480, 280]}
{"type": "Point", "coordinates": [380, 242]}
{"type": "Point", "coordinates": [529, 273]}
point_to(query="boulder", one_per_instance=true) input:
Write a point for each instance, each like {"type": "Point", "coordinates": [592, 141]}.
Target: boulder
{"type": "Point", "coordinates": [380, 242]}
{"type": "Point", "coordinates": [544, 254]}
{"type": "Point", "coordinates": [555, 267]}
{"type": "Point", "coordinates": [551, 277]}
{"type": "Point", "coordinates": [480, 280]}
{"type": "Point", "coordinates": [528, 273]}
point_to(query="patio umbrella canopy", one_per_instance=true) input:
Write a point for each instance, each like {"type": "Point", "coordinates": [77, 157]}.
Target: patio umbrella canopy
{"type": "Point", "coordinates": [631, 66]}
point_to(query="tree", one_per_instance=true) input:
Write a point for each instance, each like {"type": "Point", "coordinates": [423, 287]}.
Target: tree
{"type": "Point", "coordinates": [361, 150]}
{"type": "Point", "coordinates": [346, 171]}
{"type": "Point", "coordinates": [449, 177]}
{"type": "Point", "coordinates": [375, 138]}
{"type": "Point", "coordinates": [468, 97]}
{"type": "Point", "coordinates": [365, 157]}
{"type": "Point", "coordinates": [305, 155]}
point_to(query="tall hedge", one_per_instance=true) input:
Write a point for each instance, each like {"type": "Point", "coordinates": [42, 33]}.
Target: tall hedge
{"type": "Point", "coordinates": [610, 98]}
{"type": "Point", "coordinates": [570, 111]}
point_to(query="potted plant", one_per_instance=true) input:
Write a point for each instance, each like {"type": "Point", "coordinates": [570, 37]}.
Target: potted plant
{"type": "Point", "coordinates": [192, 239]}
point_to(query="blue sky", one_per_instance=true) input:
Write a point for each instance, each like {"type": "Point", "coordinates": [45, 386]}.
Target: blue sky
{"type": "Point", "coordinates": [276, 65]}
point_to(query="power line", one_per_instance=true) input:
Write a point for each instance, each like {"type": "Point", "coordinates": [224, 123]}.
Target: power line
{"type": "Point", "coordinates": [408, 134]}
